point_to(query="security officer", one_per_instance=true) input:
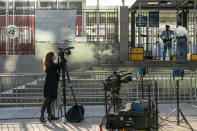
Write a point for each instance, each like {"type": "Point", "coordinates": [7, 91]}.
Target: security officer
{"type": "Point", "coordinates": [182, 37]}
{"type": "Point", "coordinates": [167, 36]}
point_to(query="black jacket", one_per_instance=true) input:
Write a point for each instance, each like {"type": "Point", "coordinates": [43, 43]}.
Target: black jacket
{"type": "Point", "coordinates": [51, 81]}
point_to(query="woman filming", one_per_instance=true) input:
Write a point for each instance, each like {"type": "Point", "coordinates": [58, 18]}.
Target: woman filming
{"type": "Point", "coordinates": [51, 84]}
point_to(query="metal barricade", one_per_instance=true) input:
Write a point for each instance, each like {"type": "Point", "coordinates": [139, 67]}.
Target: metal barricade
{"type": "Point", "coordinates": [21, 90]}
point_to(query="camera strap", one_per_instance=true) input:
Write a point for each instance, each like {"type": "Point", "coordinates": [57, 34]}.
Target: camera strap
{"type": "Point", "coordinates": [73, 95]}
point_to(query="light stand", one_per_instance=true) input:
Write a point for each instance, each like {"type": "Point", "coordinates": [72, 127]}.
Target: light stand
{"type": "Point", "coordinates": [156, 95]}
{"type": "Point", "coordinates": [142, 72]}
{"type": "Point", "coordinates": [178, 110]}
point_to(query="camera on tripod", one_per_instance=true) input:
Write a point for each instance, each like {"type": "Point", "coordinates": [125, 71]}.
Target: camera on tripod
{"type": "Point", "coordinates": [113, 82]}
{"type": "Point", "coordinates": [64, 50]}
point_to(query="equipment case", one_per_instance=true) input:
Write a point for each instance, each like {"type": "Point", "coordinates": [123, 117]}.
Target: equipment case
{"type": "Point", "coordinates": [132, 120]}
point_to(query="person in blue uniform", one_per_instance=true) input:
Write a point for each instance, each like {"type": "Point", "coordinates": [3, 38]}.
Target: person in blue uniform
{"type": "Point", "coordinates": [51, 83]}
{"type": "Point", "coordinates": [181, 35]}
{"type": "Point", "coordinates": [167, 36]}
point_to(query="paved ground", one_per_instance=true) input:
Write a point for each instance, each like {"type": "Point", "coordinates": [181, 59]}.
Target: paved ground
{"type": "Point", "coordinates": [9, 119]}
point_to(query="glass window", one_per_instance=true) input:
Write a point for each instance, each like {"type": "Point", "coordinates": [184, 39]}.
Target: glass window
{"type": "Point", "coordinates": [24, 8]}
{"type": "Point", "coordinates": [2, 4]}
{"type": "Point", "coordinates": [48, 5]}
{"type": "Point", "coordinates": [75, 5]}
{"type": "Point", "coordinates": [62, 5]}
{"type": "Point", "coordinates": [24, 5]}
{"type": "Point", "coordinates": [2, 8]}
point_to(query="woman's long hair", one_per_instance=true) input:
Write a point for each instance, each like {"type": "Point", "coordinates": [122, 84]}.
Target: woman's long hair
{"type": "Point", "coordinates": [48, 59]}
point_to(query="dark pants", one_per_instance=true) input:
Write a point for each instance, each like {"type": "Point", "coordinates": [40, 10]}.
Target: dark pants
{"type": "Point", "coordinates": [182, 49]}
{"type": "Point", "coordinates": [46, 104]}
{"type": "Point", "coordinates": [167, 45]}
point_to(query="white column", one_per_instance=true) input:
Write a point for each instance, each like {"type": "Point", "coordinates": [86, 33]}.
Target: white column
{"type": "Point", "coordinates": [38, 4]}
{"type": "Point", "coordinates": [68, 4]}
{"type": "Point", "coordinates": [97, 20]}
{"type": "Point", "coordinates": [57, 4]}
{"type": "Point", "coordinates": [83, 15]}
{"type": "Point", "coordinates": [139, 26]}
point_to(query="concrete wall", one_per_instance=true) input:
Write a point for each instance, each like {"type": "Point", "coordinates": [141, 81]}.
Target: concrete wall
{"type": "Point", "coordinates": [91, 54]}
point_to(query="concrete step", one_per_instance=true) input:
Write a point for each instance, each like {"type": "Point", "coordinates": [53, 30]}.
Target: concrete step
{"type": "Point", "coordinates": [83, 93]}
{"type": "Point", "coordinates": [40, 100]}
{"type": "Point", "coordinates": [7, 105]}
{"type": "Point", "coordinates": [75, 85]}
{"type": "Point", "coordinates": [78, 80]}
{"type": "Point", "coordinates": [39, 90]}
{"type": "Point", "coordinates": [22, 95]}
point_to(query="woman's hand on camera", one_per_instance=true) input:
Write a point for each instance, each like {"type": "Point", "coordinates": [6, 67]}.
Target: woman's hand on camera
{"type": "Point", "coordinates": [65, 55]}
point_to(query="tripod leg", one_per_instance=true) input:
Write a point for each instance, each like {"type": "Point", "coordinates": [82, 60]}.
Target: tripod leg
{"type": "Point", "coordinates": [108, 111]}
{"type": "Point", "coordinates": [178, 122]}
{"type": "Point", "coordinates": [184, 118]}
{"type": "Point", "coordinates": [168, 116]}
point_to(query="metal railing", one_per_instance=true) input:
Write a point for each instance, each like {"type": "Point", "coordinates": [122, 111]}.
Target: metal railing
{"type": "Point", "coordinates": [27, 89]}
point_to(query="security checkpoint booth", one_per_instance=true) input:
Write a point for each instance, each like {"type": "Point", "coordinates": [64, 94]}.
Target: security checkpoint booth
{"type": "Point", "coordinates": [148, 20]}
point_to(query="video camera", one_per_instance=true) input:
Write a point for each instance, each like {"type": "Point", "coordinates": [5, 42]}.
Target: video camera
{"type": "Point", "coordinates": [66, 50]}
{"type": "Point", "coordinates": [113, 82]}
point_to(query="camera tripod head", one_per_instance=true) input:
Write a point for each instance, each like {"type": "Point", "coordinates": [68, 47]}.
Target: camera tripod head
{"type": "Point", "coordinates": [65, 50]}
{"type": "Point", "coordinates": [114, 81]}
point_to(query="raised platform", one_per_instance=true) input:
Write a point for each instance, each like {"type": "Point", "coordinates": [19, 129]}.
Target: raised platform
{"type": "Point", "coordinates": [189, 65]}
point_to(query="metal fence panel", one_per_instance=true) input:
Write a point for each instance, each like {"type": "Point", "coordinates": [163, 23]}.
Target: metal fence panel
{"type": "Point", "coordinates": [27, 89]}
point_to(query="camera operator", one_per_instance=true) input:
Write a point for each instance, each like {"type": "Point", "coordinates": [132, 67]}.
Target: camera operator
{"type": "Point", "coordinates": [51, 83]}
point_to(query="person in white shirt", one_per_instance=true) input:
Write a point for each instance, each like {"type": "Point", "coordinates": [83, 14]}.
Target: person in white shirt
{"type": "Point", "coordinates": [181, 35]}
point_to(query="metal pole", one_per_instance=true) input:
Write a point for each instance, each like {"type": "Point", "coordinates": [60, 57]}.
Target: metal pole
{"type": "Point", "coordinates": [139, 27]}
{"type": "Point", "coordinates": [156, 95]}
{"type": "Point", "coordinates": [142, 86]}
{"type": "Point", "coordinates": [7, 21]}
{"type": "Point", "coordinates": [177, 93]}
{"type": "Point", "coordinates": [13, 48]}
{"type": "Point", "coordinates": [195, 28]}
{"type": "Point", "coordinates": [123, 2]}
{"type": "Point", "coordinates": [133, 28]}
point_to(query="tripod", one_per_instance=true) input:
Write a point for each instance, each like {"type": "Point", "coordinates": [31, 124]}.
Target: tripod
{"type": "Point", "coordinates": [178, 110]}
{"type": "Point", "coordinates": [107, 112]}
{"type": "Point", "coordinates": [62, 61]}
